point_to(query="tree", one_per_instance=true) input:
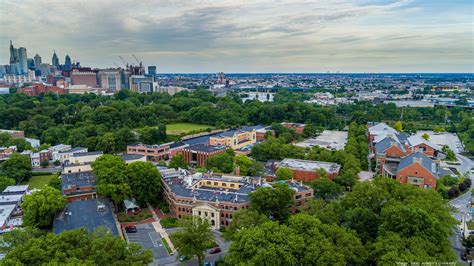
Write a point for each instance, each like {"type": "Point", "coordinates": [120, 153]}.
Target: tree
{"type": "Point", "coordinates": [178, 161]}
{"type": "Point", "coordinates": [112, 180]}
{"type": "Point", "coordinates": [79, 246]}
{"type": "Point", "coordinates": [284, 173]}
{"type": "Point", "coordinates": [267, 243]}
{"type": "Point", "coordinates": [450, 155]}
{"type": "Point", "coordinates": [245, 218]}
{"type": "Point", "coordinates": [40, 207]}
{"type": "Point", "coordinates": [153, 135]}
{"type": "Point", "coordinates": [17, 167]}
{"type": "Point", "coordinates": [107, 143]}
{"type": "Point", "coordinates": [425, 136]}
{"type": "Point", "coordinates": [398, 126]}
{"type": "Point", "coordinates": [273, 202]}
{"type": "Point", "coordinates": [326, 189]}
{"type": "Point", "coordinates": [44, 163]}
{"type": "Point", "coordinates": [5, 182]}
{"type": "Point", "coordinates": [194, 238]}
{"type": "Point", "coordinates": [248, 166]}
{"type": "Point", "coordinates": [347, 179]}
{"type": "Point", "coordinates": [223, 162]}
{"type": "Point", "coordinates": [145, 182]}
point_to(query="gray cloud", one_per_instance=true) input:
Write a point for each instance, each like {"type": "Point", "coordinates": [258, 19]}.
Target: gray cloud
{"type": "Point", "coordinates": [241, 36]}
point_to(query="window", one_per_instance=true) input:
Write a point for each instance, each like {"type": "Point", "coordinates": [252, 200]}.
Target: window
{"type": "Point", "coordinates": [224, 184]}
{"type": "Point", "coordinates": [199, 213]}
{"type": "Point", "coordinates": [208, 182]}
{"type": "Point", "coordinates": [212, 215]}
{"type": "Point", "coordinates": [232, 185]}
{"type": "Point", "coordinates": [215, 183]}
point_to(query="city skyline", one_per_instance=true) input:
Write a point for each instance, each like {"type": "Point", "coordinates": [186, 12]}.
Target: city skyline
{"type": "Point", "coordinates": [246, 36]}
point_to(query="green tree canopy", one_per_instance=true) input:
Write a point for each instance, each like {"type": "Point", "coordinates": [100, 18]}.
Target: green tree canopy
{"type": "Point", "coordinates": [284, 173]}
{"type": "Point", "coordinates": [40, 207]}
{"type": "Point", "coordinates": [18, 167]}
{"type": "Point", "coordinates": [145, 182]}
{"type": "Point", "coordinates": [178, 161]}
{"type": "Point", "coordinates": [273, 202]}
{"type": "Point", "coordinates": [194, 238]}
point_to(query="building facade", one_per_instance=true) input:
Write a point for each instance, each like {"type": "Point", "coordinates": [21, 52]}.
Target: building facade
{"type": "Point", "coordinates": [307, 171]}
{"type": "Point", "coordinates": [199, 153]}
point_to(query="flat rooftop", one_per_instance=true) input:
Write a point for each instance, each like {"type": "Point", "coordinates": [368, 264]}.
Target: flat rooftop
{"type": "Point", "coordinates": [329, 139]}
{"type": "Point", "coordinates": [86, 214]}
{"type": "Point", "coordinates": [20, 189]}
{"type": "Point", "coordinates": [80, 179]}
{"type": "Point", "coordinates": [306, 165]}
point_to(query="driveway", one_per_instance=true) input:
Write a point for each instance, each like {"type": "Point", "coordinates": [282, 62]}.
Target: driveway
{"type": "Point", "coordinates": [147, 237]}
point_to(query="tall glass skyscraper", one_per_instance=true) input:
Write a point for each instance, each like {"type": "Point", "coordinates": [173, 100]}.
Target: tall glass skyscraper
{"type": "Point", "coordinates": [23, 60]}
{"type": "Point", "coordinates": [55, 60]}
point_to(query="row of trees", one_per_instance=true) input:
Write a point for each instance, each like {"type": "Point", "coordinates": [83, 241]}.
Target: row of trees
{"type": "Point", "coordinates": [377, 222]}
{"type": "Point", "coordinates": [110, 122]}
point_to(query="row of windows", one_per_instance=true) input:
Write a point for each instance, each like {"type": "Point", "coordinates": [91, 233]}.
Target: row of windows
{"type": "Point", "coordinates": [206, 214]}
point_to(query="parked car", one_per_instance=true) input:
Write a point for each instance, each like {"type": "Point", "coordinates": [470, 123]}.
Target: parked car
{"type": "Point", "coordinates": [464, 255]}
{"type": "Point", "coordinates": [215, 250]}
{"type": "Point", "coordinates": [207, 263]}
{"type": "Point", "coordinates": [131, 229]}
{"type": "Point", "coordinates": [183, 258]}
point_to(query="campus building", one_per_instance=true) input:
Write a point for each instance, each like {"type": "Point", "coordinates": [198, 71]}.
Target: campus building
{"type": "Point", "coordinates": [199, 153]}
{"type": "Point", "coordinates": [408, 159]}
{"type": "Point", "coordinates": [297, 127]}
{"type": "Point", "coordinates": [235, 139]}
{"type": "Point", "coordinates": [307, 171]}
{"type": "Point", "coordinates": [78, 186]}
{"type": "Point", "coordinates": [217, 198]}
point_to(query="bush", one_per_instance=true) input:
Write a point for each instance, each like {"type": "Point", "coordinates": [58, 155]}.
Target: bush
{"type": "Point", "coordinates": [169, 222]}
{"type": "Point", "coordinates": [453, 192]}
{"type": "Point", "coordinates": [142, 215]}
{"type": "Point", "coordinates": [163, 207]}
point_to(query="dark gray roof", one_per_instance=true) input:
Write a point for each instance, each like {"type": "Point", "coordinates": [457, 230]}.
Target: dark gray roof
{"type": "Point", "coordinates": [205, 148]}
{"type": "Point", "coordinates": [85, 214]}
{"type": "Point", "coordinates": [230, 133]}
{"type": "Point", "coordinates": [403, 137]}
{"type": "Point", "coordinates": [386, 143]}
{"type": "Point", "coordinates": [80, 179]}
{"type": "Point", "coordinates": [426, 162]}
{"type": "Point", "coordinates": [177, 144]}
{"type": "Point", "coordinates": [127, 157]}
{"type": "Point", "coordinates": [80, 154]}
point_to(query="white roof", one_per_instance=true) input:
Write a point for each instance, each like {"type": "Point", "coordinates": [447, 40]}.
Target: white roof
{"type": "Point", "coordinates": [378, 138]}
{"type": "Point", "coordinates": [13, 198]}
{"type": "Point", "coordinates": [381, 128]}
{"type": "Point", "coordinates": [306, 165]}
{"type": "Point", "coordinates": [417, 140]}
{"type": "Point", "coordinates": [5, 212]}
{"type": "Point", "coordinates": [20, 188]}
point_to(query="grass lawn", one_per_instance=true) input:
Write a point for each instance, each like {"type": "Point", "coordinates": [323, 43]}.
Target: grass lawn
{"type": "Point", "coordinates": [39, 181]}
{"type": "Point", "coordinates": [180, 128]}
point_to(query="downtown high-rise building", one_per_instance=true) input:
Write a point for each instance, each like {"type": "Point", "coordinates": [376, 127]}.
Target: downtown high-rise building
{"type": "Point", "coordinates": [38, 62]}
{"type": "Point", "coordinates": [18, 60]}
{"type": "Point", "coordinates": [55, 60]}
{"type": "Point", "coordinates": [67, 63]}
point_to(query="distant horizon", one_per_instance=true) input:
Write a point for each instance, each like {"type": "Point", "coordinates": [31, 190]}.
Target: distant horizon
{"type": "Point", "coordinates": [240, 36]}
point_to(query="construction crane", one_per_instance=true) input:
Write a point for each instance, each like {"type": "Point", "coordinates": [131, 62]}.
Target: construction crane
{"type": "Point", "coordinates": [136, 59]}
{"type": "Point", "coordinates": [123, 61]}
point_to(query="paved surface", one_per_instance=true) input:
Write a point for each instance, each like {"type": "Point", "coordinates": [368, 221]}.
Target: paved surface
{"type": "Point", "coordinates": [147, 237]}
{"type": "Point", "coordinates": [445, 138]}
{"type": "Point", "coordinates": [462, 205]}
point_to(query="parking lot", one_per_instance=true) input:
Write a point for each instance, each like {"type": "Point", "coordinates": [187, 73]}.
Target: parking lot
{"type": "Point", "coordinates": [149, 239]}
{"type": "Point", "coordinates": [445, 138]}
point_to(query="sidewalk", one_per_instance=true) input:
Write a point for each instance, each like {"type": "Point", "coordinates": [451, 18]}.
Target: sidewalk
{"type": "Point", "coordinates": [160, 229]}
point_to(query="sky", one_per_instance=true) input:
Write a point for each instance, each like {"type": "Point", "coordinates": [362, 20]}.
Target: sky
{"type": "Point", "coordinates": [207, 36]}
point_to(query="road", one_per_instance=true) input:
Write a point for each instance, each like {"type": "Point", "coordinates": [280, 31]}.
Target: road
{"type": "Point", "coordinates": [463, 206]}
{"type": "Point", "coordinates": [47, 170]}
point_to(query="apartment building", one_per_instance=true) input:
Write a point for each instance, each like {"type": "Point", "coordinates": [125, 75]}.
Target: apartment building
{"type": "Point", "coordinates": [305, 170]}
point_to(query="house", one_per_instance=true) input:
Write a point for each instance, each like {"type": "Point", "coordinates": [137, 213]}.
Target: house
{"type": "Point", "coordinates": [84, 157]}
{"type": "Point", "coordinates": [199, 153]}
{"type": "Point", "coordinates": [90, 214]}
{"type": "Point", "coordinates": [78, 186]}
{"type": "Point", "coordinates": [419, 170]}
{"type": "Point", "coordinates": [65, 156]}
{"type": "Point", "coordinates": [305, 170]}
{"type": "Point", "coordinates": [55, 150]}
{"type": "Point", "coordinates": [35, 159]}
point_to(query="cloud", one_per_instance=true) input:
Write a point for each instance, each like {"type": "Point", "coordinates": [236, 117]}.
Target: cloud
{"type": "Point", "coordinates": [241, 36]}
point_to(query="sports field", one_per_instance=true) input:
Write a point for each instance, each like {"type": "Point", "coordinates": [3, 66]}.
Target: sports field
{"type": "Point", "coordinates": [180, 128]}
{"type": "Point", "coordinates": [39, 181]}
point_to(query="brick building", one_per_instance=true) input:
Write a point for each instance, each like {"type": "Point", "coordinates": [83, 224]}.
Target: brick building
{"type": "Point", "coordinates": [198, 154]}
{"type": "Point", "coordinates": [216, 198]}
{"type": "Point", "coordinates": [152, 152]}
{"type": "Point", "coordinates": [297, 127]}
{"type": "Point", "coordinates": [78, 186]}
{"type": "Point", "coordinates": [419, 170]}
{"type": "Point", "coordinates": [304, 170]}
{"type": "Point", "coordinates": [84, 76]}
{"type": "Point", "coordinates": [37, 89]}
{"type": "Point", "coordinates": [14, 133]}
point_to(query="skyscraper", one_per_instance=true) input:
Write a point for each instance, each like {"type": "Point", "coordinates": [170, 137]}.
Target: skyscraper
{"type": "Point", "coordinates": [152, 70]}
{"type": "Point", "coordinates": [38, 62]}
{"type": "Point", "coordinates": [55, 60]}
{"type": "Point", "coordinates": [13, 54]}
{"type": "Point", "coordinates": [67, 63]}
{"type": "Point", "coordinates": [23, 60]}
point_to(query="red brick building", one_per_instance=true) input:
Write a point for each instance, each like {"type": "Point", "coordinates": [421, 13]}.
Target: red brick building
{"type": "Point", "coordinates": [78, 186]}
{"type": "Point", "coordinates": [304, 170]}
{"type": "Point", "coordinates": [198, 154]}
{"type": "Point", "coordinates": [37, 89]}
{"type": "Point", "coordinates": [152, 152]}
{"type": "Point", "coordinates": [84, 77]}
{"type": "Point", "coordinates": [419, 170]}
{"type": "Point", "coordinates": [297, 127]}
